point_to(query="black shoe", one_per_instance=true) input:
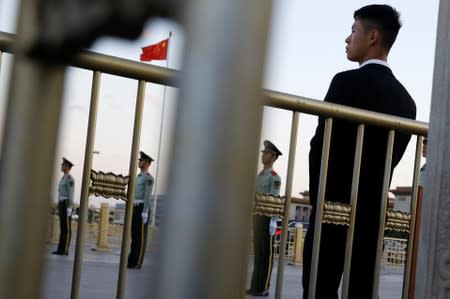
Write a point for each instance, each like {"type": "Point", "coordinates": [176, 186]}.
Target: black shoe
{"type": "Point", "coordinates": [261, 294]}
{"type": "Point", "coordinates": [249, 292]}
{"type": "Point", "coordinates": [134, 266]}
{"type": "Point", "coordinates": [56, 252]}
{"type": "Point", "coordinates": [60, 253]}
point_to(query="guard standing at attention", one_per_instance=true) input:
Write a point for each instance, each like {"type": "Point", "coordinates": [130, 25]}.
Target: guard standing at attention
{"type": "Point", "coordinates": [267, 182]}
{"type": "Point", "coordinates": [139, 225]}
{"type": "Point", "coordinates": [65, 204]}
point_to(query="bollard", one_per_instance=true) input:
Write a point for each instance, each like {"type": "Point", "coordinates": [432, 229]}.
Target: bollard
{"type": "Point", "coordinates": [298, 245]}
{"type": "Point", "coordinates": [103, 228]}
{"type": "Point", "coordinates": [54, 229]}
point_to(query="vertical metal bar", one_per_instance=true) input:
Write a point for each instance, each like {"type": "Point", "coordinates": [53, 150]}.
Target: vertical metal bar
{"type": "Point", "coordinates": [412, 225]}
{"type": "Point", "coordinates": [320, 204]}
{"type": "Point", "coordinates": [383, 208]}
{"type": "Point", "coordinates": [84, 199]}
{"type": "Point", "coordinates": [353, 202]}
{"type": "Point", "coordinates": [287, 206]}
{"type": "Point", "coordinates": [28, 156]}
{"type": "Point", "coordinates": [212, 179]}
{"type": "Point", "coordinates": [130, 192]}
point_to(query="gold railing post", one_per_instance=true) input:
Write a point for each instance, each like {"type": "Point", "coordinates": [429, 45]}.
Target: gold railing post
{"type": "Point", "coordinates": [383, 209]}
{"type": "Point", "coordinates": [28, 155]}
{"type": "Point", "coordinates": [103, 228]}
{"type": "Point", "coordinates": [287, 206]}
{"type": "Point", "coordinates": [84, 198]}
{"type": "Point", "coordinates": [121, 280]}
{"type": "Point", "coordinates": [319, 207]}
{"type": "Point", "coordinates": [353, 203]}
{"type": "Point", "coordinates": [412, 243]}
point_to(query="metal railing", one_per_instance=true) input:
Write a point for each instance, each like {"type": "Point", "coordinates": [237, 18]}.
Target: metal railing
{"type": "Point", "coordinates": [100, 64]}
{"type": "Point", "coordinates": [394, 252]}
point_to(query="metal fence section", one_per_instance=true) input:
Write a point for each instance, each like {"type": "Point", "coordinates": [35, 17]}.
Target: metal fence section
{"type": "Point", "coordinates": [195, 102]}
{"type": "Point", "coordinates": [291, 254]}
{"type": "Point", "coordinates": [394, 252]}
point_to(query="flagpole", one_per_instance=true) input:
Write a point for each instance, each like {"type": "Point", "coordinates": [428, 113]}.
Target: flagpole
{"type": "Point", "coordinates": [153, 210]}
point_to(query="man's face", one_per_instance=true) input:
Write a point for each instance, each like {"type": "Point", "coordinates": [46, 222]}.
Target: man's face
{"type": "Point", "coordinates": [64, 168]}
{"type": "Point", "coordinates": [357, 43]}
{"type": "Point", "coordinates": [267, 157]}
{"type": "Point", "coordinates": [142, 163]}
{"type": "Point", "coordinates": [424, 149]}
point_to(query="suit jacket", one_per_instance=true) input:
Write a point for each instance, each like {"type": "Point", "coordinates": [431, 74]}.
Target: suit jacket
{"type": "Point", "coordinates": [371, 87]}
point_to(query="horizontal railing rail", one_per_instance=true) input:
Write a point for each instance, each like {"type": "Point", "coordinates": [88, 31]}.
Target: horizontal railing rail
{"type": "Point", "coordinates": [160, 75]}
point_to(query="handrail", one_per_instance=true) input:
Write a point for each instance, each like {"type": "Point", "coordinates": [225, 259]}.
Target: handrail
{"type": "Point", "coordinates": [160, 75]}
{"type": "Point", "coordinates": [311, 106]}
{"type": "Point", "coordinates": [109, 64]}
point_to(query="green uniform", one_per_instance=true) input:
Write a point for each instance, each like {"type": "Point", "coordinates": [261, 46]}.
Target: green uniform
{"type": "Point", "coordinates": [144, 186]}
{"type": "Point", "coordinates": [268, 182]}
{"type": "Point", "coordinates": [143, 191]}
{"type": "Point", "coordinates": [66, 189]}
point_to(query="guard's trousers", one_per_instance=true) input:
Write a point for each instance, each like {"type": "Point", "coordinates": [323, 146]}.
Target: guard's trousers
{"type": "Point", "coordinates": [263, 248]}
{"type": "Point", "coordinates": [138, 237]}
{"type": "Point", "coordinates": [64, 227]}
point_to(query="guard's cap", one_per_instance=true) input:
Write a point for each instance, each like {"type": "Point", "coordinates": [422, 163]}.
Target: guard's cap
{"type": "Point", "coordinates": [145, 157]}
{"type": "Point", "coordinates": [270, 147]}
{"type": "Point", "coordinates": [66, 162]}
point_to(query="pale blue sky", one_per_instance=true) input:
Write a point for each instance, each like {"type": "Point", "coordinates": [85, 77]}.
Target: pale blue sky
{"type": "Point", "coordinates": [306, 49]}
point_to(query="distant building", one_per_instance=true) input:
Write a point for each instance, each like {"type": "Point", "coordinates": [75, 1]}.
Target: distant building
{"type": "Point", "coordinates": [403, 195]}
{"type": "Point", "coordinates": [300, 207]}
{"type": "Point", "coordinates": [119, 211]}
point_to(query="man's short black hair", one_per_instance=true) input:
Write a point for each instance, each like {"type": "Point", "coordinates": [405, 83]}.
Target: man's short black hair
{"type": "Point", "coordinates": [383, 18]}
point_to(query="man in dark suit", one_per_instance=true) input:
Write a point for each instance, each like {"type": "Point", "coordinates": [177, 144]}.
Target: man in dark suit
{"type": "Point", "coordinates": [373, 87]}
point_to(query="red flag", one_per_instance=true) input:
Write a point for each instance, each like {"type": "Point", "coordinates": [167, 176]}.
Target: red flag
{"type": "Point", "coordinates": [156, 51]}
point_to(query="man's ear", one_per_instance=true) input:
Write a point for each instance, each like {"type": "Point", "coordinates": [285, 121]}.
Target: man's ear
{"type": "Point", "coordinates": [374, 37]}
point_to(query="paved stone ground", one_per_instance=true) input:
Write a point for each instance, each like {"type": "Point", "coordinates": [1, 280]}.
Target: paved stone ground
{"type": "Point", "coordinates": [99, 277]}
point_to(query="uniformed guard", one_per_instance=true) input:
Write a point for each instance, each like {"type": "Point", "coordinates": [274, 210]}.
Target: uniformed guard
{"type": "Point", "coordinates": [268, 182]}
{"type": "Point", "coordinates": [144, 186]}
{"type": "Point", "coordinates": [65, 204]}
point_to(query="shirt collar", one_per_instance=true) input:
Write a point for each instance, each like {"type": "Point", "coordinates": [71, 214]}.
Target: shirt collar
{"type": "Point", "coordinates": [267, 170]}
{"type": "Point", "coordinates": [375, 61]}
